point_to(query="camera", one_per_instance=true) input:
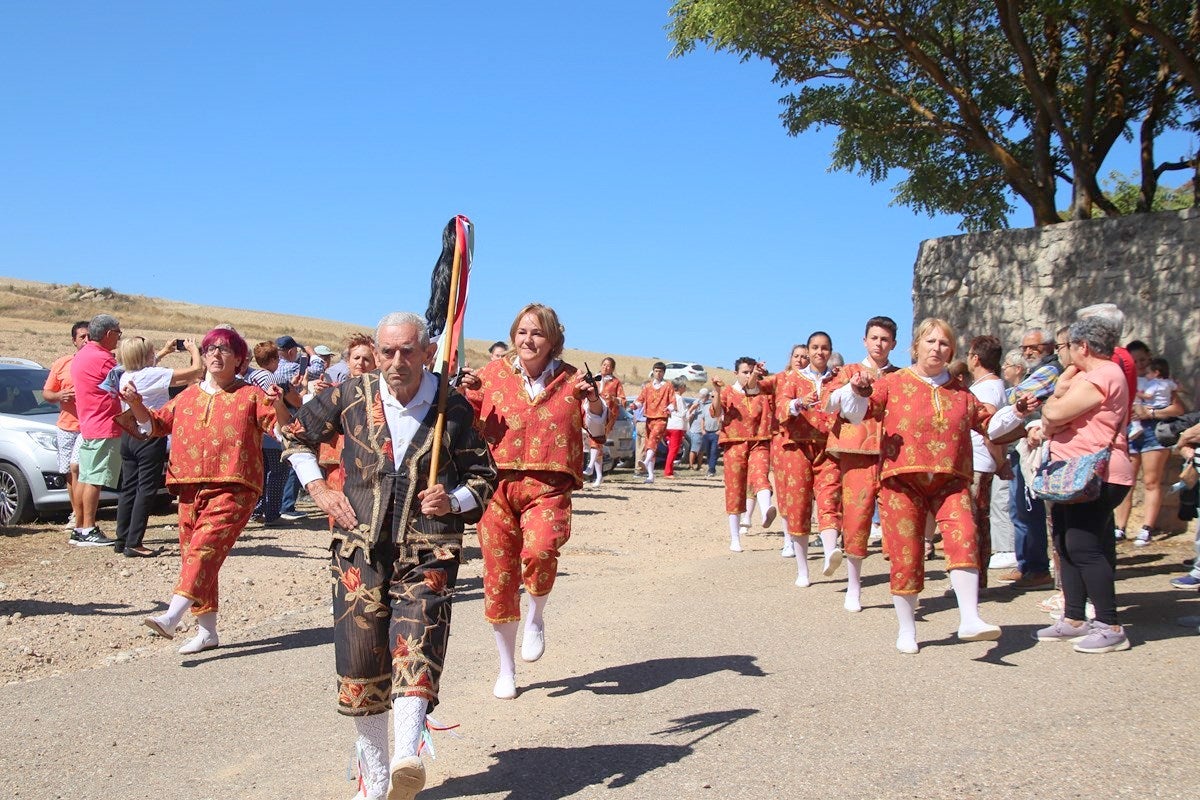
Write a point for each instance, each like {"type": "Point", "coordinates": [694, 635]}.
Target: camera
{"type": "Point", "coordinates": [179, 345]}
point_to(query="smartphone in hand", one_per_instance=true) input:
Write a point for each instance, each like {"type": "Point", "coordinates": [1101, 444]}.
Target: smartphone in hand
{"type": "Point", "coordinates": [179, 347]}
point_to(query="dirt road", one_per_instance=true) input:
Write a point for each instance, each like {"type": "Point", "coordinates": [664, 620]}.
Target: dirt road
{"type": "Point", "coordinates": [674, 668]}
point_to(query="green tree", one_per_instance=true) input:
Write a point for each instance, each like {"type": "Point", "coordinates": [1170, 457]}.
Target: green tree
{"type": "Point", "coordinates": [975, 101]}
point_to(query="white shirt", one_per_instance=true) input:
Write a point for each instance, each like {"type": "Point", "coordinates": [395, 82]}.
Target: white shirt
{"type": "Point", "coordinates": [797, 404]}
{"type": "Point", "coordinates": [404, 422]}
{"type": "Point", "coordinates": [991, 391]}
{"type": "Point", "coordinates": [153, 384]}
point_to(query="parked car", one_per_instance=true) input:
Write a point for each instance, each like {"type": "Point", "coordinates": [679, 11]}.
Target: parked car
{"type": "Point", "coordinates": [30, 483]}
{"type": "Point", "coordinates": [618, 448]}
{"type": "Point", "coordinates": [686, 370]}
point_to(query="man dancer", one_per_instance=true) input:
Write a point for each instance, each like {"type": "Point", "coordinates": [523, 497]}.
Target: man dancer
{"type": "Point", "coordinates": [100, 445]}
{"type": "Point", "coordinates": [397, 544]}
{"type": "Point", "coordinates": [656, 400]}
{"type": "Point", "coordinates": [60, 389]}
{"type": "Point", "coordinates": [856, 448]}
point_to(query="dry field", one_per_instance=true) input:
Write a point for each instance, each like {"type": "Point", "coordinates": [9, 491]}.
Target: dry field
{"type": "Point", "coordinates": [35, 319]}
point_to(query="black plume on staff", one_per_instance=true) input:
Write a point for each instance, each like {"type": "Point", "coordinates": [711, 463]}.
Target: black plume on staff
{"type": "Point", "coordinates": [439, 288]}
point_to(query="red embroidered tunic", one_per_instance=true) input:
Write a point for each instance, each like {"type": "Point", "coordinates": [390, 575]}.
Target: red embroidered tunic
{"type": "Point", "coordinates": [655, 402]}
{"type": "Point", "coordinates": [216, 438]}
{"type": "Point", "coordinates": [810, 425]}
{"type": "Point", "coordinates": [747, 418]}
{"type": "Point", "coordinates": [530, 435]}
{"type": "Point", "coordinates": [847, 437]}
{"type": "Point", "coordinates": [926, 428]}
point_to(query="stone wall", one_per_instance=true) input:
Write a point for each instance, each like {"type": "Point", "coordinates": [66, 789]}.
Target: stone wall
{"type": "Point", "coordinates": [1006, 281]}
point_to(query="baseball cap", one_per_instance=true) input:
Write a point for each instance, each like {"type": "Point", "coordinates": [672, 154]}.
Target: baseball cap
{"type": "Point", "coordinates": [322, 350]}
{"type": "Point", "coordinates": [284, 342]}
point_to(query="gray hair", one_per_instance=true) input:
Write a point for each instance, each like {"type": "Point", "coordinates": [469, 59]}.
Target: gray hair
{"type": "Point", "coordinates": [1099, 335]}
{"type": "Point", "coordinates": [1045, 335]}
{"type": "Point", "coordinates": [397, 318]}
{"type": "Point", "coordinates": [835, 360]}
{"type": "Point", "coordinates": [1013, 358]}
{"type": "Point", "coordinates": [1105, 311]}
{"type": "Point", "coordinates": [100, 325]}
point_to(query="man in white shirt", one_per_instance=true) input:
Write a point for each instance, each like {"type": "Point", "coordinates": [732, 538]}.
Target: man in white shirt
{"type": "Point", "coordinates": [398, 540]}
{"type": "Point", "coordinates": [983, 360]}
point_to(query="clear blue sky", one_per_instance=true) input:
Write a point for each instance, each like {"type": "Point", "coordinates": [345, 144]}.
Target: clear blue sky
{"type": "Point", "coordinates": [303, 158]}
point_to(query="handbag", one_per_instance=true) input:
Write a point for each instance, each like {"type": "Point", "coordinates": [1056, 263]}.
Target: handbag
{"type": "Point", "coordinates": [1072, 480]}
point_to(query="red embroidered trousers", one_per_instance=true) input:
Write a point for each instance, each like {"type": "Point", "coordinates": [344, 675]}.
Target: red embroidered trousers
{"type": "Point", "coordinates": [981, 495]}
{"type": "Point", "coordinates": [655, 430]}
{"type": "Point", "coordinates": [860, 489]}
{"type": "Point", "coordinates": [905, 501]}
{"type": "Point", "coordinates": [747, 465]}
{"type": "Point", "coordinates": [521, 532]}
{"type": "Point", "coordinates": [211, 517]}
{"type": "Point", "coordinates": [804, 472]}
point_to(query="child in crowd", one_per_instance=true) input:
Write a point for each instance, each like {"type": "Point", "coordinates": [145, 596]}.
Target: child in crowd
{"type": "Point", "coordinates": [1154, 391]}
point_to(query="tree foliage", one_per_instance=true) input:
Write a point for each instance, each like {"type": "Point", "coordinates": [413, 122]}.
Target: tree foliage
{"type": "Point", "coordinates": [978, 102]}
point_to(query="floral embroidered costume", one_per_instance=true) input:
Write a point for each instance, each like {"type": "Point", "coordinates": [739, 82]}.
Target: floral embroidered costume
{"type": "Point", "coordinates": [539, 455]}
{"type": "Point", "coordinates": [804, 471]}
{"type": "Point", "coordinates": [856, 449]}
{"type": "Point", "coordinates": [926, 468]}
{"type": "Point", "coordinates": [656, 403]}
{"type": "Point", "coordinates": [747, 422]}
{"type": "Point", "coordinates": [216, 469]}
{"type": "Point", "coordinates": [394, 574]}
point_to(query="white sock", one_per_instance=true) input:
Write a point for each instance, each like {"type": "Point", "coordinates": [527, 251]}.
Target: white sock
{"type": "Point", "coordinates": [408, 723]}
{"type": "Point", "coordinates": [800, 544]}
{"type": "Point", "coordinates": [966, 590]}
{"type": "Point", "coordinates": [853, 583]}
{"type": "Point", "coordinates": [506, 648]}
{"type": "Point", "coordinates": [372, 749]}
{"type": "Point", "coordinates": [649, 462]}
{"type": "Point", "coordinates": [175, 612]}
{"type": "Point", "coordinates": [764, 505]}
{"type": "Point", "coordinates": [206, 634]}
{"type": "Point", "coordinates": [735, 541]}
{"type": "Point", "coordinates": [599, 470]}
{"type": "Point", "coordinates": [594, 458]}
{"type": "Point", "coordinates": [828, 542]}
{"type": "Point", "coordinates": [906, 617]}
{"type": "Point", "coordinates": [533, 644]}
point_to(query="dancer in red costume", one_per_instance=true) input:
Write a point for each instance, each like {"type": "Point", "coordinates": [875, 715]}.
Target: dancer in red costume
{"type": "Point", "coordinates": [856, 449]}
{"type": "Point", "coordinates": [612, 392]}
{"type": "Point", "coordinates": [926, 419]}
{"type": "Point", "coordinates": [529, 408]}
{"type": "Point", "coordinates": [746, 413]}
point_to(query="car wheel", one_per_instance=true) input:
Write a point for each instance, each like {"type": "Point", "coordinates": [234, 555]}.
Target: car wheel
{"type": "Point", "coordinates": [16, 503]}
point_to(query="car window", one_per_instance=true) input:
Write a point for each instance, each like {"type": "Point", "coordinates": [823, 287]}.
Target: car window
{"type": "Point", "coordinates": [21, 392]}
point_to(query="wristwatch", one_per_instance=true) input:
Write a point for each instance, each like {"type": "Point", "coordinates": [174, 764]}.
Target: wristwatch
{"type": "Point", "coordinates": [455, 506]}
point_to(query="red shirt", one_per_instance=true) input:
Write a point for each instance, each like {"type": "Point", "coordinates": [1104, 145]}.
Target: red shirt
{"type": "Point", "coordinates": [1123, 360]}
{"type": "Point", "coordinates": [97, 409]}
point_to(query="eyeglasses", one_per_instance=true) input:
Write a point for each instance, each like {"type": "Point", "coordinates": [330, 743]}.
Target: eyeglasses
{"type": "Point", "coordinates": [1034, 347]}
{"type": "Point", "coordinates": [213, 349]}
{"type": "Point", "coordinates": [1061, 345]}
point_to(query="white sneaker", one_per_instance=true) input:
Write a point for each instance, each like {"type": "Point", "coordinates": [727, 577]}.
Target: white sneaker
{"type": "Point", "coordinates": [533, 644]}
{"type": "Point", "coordinates": [1143, 538]}
{"type": "Point", "coordinates": [769, 516]}
{"type": "Point", "coordinates": [505, 688]}
{"type": "Point", "coordinates": [735, 545]}
{"type": "Point", "coordinates": [832, 562]}
{"type": "Point", "coordinates": [789, 547]}
{"type": "Point", "coordinates": [199, 643]}
{"type": "Point", "coordinates": [1003, 561]}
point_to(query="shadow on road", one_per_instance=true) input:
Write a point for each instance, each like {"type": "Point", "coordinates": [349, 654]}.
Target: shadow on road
{"type": "Point", "coordinates": [646, 676]}
{"type": "Point", "coordinates": [548, 773]}
{"type": "Point", "coordinates": [309, 637]}
{"type": "Point", "coordinates": [37, 608]}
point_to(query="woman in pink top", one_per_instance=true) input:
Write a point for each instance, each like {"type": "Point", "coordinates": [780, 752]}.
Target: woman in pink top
{"type": "Point", "coordinates": [1088, 412]}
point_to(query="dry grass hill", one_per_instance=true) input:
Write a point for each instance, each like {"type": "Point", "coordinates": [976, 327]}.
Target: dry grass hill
{"type": "Point", "coordinates": [35, 319]}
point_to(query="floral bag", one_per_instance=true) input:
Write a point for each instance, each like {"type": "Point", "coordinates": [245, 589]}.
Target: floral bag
{"type": "Point", "coordinates": [1072, 480]}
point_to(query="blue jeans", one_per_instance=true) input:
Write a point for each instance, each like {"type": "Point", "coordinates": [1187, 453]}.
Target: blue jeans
{"type": "Point", "coordinates": [1029, 524]}
{"type": "Point", "coordinates": [291, 489]}
{"type": "Point", "coordinates": [708, 446]}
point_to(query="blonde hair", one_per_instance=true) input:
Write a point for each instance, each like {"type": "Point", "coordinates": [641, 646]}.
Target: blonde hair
{"type": "Point", "coordinates": [547, 319]}
{"type": "Point", "coordinates": [135, 353]}
{"type": "Point", "coordinates": [927, 325]}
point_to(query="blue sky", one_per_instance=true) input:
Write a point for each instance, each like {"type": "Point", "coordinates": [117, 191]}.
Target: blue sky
{"type": "Point", "coordinates": [303, 158]}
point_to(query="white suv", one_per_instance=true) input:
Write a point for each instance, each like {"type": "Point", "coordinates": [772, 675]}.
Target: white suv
{"type": "Point", "coordinates": [687, 371]}
{"type": "Point", "coordinates": [29, 478]}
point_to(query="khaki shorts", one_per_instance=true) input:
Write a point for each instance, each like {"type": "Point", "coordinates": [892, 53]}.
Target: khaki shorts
{"type": "Point", "coordinates": [100, 462]}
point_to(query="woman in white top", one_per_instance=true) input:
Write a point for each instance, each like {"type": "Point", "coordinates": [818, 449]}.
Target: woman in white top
{"type": "Point", "coordinates": [142, 459]}
{"type": "Point", "coordinates": [676, 427]}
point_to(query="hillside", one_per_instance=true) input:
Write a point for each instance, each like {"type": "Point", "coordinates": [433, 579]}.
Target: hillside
{"type": "Point", "coordinates": [35, 319]}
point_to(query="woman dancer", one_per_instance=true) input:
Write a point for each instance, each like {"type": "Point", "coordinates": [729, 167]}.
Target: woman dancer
{"type": "Point", "coordinates": [215, 468]}
{"type": "Point", "coordinates": [529, 407]}
{"type": "Point", "coordinates": [807, 471]}
{"type": "Point", "coordinates": [797, 360]}
{"type": "Point", "coordinates": [926, 418]}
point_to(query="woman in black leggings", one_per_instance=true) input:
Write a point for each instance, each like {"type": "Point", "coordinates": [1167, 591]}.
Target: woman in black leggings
{"type": "Point", "coordinates": [1089, 412]}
